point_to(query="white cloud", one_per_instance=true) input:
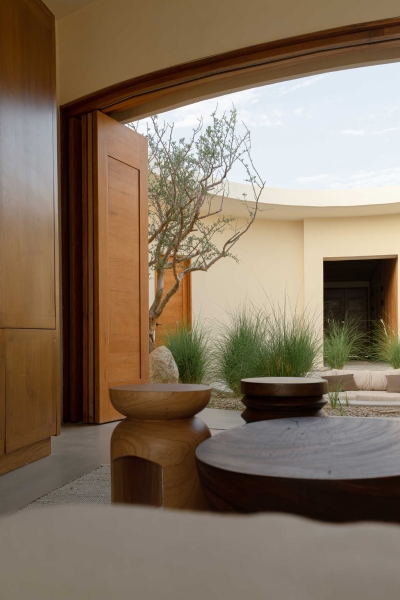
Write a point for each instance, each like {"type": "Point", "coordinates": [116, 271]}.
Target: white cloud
{"type": "Point", "coordinates": [353, 132]}
{"type": "Point", "coordinates": [298, 111]}
{"type": "Point", "coordinates": [312, 178]}
{"type": "Point", "coordinates": [285, 88]}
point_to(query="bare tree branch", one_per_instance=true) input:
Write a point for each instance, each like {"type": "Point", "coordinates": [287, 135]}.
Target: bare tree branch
{"type": "Point", "coordinates": [188, 186]}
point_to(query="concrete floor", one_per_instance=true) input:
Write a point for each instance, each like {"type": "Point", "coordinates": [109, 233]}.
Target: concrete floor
{"type": "Point", "coordinates": [79, 450]}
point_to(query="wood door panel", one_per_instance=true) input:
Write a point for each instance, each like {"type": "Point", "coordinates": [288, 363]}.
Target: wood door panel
{"type": "Point", "coordinates": [31, 387]}
{"type": "Point", "coordinates": [120, 345]}
{"type": "Point", "coordinates": [178, 309]}
{"type": "Point", "coordinates": [123, 252]}
{"type": "Point", "coordinates": [27, 166]}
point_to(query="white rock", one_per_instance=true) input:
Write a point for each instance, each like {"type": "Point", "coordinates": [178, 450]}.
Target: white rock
{"type": "Point", "coordinates": [163, 367]}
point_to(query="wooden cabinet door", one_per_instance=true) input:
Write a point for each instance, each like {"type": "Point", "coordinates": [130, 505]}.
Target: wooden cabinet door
{"type": "Point", "coordinates": [28, 210]}
{"type": "Point", "coordinates": [31, 386]}
{"type": "Point", "coordinates": [120, 233]}
{"type": "Point", "coordinates": [178, 309]}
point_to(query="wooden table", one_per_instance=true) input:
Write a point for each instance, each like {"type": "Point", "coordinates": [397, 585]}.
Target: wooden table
{"type": "Point", "coordinates": [336, 469]}
{"type": "Point", "coordinates": [152, 450]}
{"type": "Point", "coordinates": [283, 397]}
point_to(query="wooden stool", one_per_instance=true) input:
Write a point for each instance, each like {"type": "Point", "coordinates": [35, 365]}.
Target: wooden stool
{"type": "Point", "coordinates": [282, 397]}
{"type": "Point", "coordinates": [152, 450]}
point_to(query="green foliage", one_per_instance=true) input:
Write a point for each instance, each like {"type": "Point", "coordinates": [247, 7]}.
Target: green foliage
{"type": "Point", "coordinates": [292, 344]}
{"type": "Point", "coordinates": [335, 400]}
{"type": "Point", "coordinates": [343, 342]}
{"type": "Point", "coordinates": [386, 344]}
{"type": "Point", "coordinates": [257, 344]}
{"type": "Point", "coordinates": [240, 348]}
{"type": "Point", "coordinates": [190, 348]}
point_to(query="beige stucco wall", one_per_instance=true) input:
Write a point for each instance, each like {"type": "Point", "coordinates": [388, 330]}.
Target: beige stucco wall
{"type": "Point", "coordinates": [346, 238]}
{"type": "Point", "coordinates": [270, 268]}
{"type": "Point", "coordinates": [110, 41]}
{"type": "Point", "coordinates": [281, 260]}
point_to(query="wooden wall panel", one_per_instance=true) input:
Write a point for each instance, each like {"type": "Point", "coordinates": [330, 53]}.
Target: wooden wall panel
{"type": "Point", "coordinates": [29, 315]}
{"type": "Point", "coordinates": [31, 387]}
{"type": "Point", "coordinates": [390, 292]}
{"type": "Point", "coordinates": [2, 392]}
{"type": "Point", "coordinates": [72, 339]}
{"type": "Point", "coordinates": [27, 165]}
{"type": "Point", "coordinates": [178, 309]}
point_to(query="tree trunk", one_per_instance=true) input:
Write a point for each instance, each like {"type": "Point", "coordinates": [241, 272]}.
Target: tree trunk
{"type": "Point", "coordinates": [152, 333]}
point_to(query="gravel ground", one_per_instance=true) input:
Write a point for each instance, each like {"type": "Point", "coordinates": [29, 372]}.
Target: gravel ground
{"type": "Point", "coordinates": [226, 402]}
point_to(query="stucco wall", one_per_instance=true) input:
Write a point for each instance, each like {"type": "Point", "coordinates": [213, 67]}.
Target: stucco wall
{"type": "Point", "coordinates": [110, 41]}
{"type": "Point", "coordinates": [351, 238]}
{"type": "Point", "coordinates": [270, 267]}
{"type": "Point", "coordinates": [281, 260]}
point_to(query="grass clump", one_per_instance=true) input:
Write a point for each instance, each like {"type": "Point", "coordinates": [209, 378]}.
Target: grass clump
{"type": "Point", "coordinates": [257, 343]}
{"type": "Point", "coordinates": [386, 344]}
{"type": "Point", "coordinates": [240, 348]}
{"type": "Point", "coordinates": [292, 344]}
{"type": "Point", "coordinates": [343, 342]}
{"type": "Point", "coordinates": [190, 348]}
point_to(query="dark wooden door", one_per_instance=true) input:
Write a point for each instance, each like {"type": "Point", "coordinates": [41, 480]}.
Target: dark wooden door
{"type": "Point", "coordinates": [342, 303]}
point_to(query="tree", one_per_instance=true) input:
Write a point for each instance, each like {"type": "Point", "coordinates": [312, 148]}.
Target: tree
{"type": "Point", "coordinates": [188, 183]}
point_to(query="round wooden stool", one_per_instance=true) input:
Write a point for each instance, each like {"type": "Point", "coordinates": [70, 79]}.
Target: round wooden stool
{"type": "Point", "coordinates": [152, 450]}
{"type": "Point", "coordinates": [279, 397]}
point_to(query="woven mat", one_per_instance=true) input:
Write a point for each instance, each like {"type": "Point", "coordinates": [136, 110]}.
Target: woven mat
{"type": "Point", "coordinates": [93, 488]}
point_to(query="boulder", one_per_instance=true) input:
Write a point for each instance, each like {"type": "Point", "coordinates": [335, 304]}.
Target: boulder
{"type": "Point", "coordinates": [163, 367]}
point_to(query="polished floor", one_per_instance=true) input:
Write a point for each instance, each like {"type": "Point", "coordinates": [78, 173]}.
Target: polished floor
{"type": "Point", "coordinates": [77, 451]}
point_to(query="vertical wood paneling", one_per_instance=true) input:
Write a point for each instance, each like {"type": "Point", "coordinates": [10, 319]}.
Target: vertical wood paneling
{"type": "Point", "coordinates": [178, 309]}
{"type": "Point", "coordinates": [390, 292]}
{"type": "Point", "coordinates": [74, 333]}
{"type": "Point", "coordinates": [120, 299]}
{"type": "Point", "coordinates": [2, 392]}
{"type": "Point", "coordinates": [29, 297]}
{"type": "Point", "coordinates": [31, 387]}
{"type": "Point", "coordinates": [27, 161]}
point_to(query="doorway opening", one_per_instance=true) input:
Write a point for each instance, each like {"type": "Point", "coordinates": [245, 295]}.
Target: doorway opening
{"type": "Point", "coordinates": [365, 289]}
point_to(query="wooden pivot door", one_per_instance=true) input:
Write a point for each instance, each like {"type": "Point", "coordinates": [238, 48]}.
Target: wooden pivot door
{"type": "Point", "coordinates": [178, 309]}
{"type": "Point", "coordinates": [116, 268]}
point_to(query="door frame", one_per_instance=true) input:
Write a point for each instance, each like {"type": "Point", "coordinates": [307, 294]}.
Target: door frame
{"type": "Point", "coordinates": [290, 58]}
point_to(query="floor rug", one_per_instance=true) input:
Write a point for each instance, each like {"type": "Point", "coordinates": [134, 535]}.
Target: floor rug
{"type": "Point", "coordinates": [93, 488]}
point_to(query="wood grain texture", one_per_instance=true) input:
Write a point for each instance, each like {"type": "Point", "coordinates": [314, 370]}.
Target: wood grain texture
{"type": "Point", "coordinates": [2, 392]}
{"type": "Point", "coordinates": [390, 287]}
{"type": "Point", "coordinates": [120, 302]}
{"type": "Point", "coordinates": [73, 344]}
{"type": "Point", "coordinates": [32, 386]}
{"type": "Point", "coordinates": [284, 386]}
{"type": "Point", "coordinates": [280, 397]}
{"type": "Point", "coordinates": [168, 83]}
{"type": "Point", "coordinates": [27, 166]}
{"type": "Point", "coordinates": [30, 404]}
{"type": "Point", "coordinates": [179, 308]}
{"type": "Point", "coordinates": [25, 456]}
{"type": "Point", "coordinates": [137, 481]}
{"type": "Point", "coordinates": [160, 401]}
{"type": "Point", "coordinates": [336, 469]}
{"type": "Point", "coordinates": [167, 444]}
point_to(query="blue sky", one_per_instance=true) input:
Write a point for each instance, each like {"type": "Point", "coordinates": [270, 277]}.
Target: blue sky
{"type": "Point", "coordinates": [332, 131]}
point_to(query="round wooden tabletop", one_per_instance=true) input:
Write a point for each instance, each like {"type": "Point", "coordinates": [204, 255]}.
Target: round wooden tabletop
{"type": "Point", "coordinates": [339, 468]}
{"type": "Point", "coordinates": [284, 386]}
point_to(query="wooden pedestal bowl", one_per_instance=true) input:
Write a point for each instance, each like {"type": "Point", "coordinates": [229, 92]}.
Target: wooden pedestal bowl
{"type": "Point", "coordinates": [164, 401]}
{"type": "Point", "coordinates": [282, 397]}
